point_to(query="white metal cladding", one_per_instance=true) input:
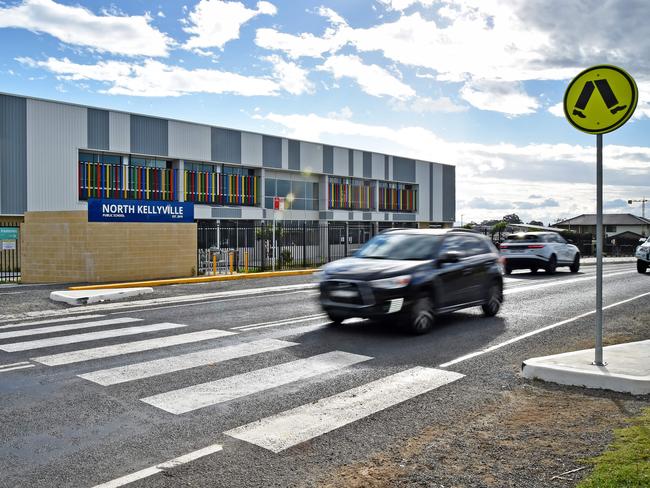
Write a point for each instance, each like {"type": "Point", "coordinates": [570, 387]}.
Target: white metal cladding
{"type": "Point", "coordinates": [311, 157]}
{"type": "Point", "coordinates": [285, 154]}
{"type": "Point", "coordinates": [119, 132]}
{"type": "Point", "coordinates": [251, 149]}
{"type": "Point", "coordinates": [378, 167]}
{"type": "Point", "coordinates": [424, 194]}
{"type": "Point", "coordinates": [436, 192]}
{"type": "Point", "coordinates": [390, 167]}
{"type": "Point", "coordinates": [55, 132]}
{"type": "Point", "coordinates": [189, 141]}
{"type": "Point", "coordinates": [341, 162]}
{"type": "Point", "coordinates": [358, 164]}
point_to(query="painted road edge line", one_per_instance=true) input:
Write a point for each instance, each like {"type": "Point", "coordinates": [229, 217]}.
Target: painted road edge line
{"type": "Point", "coordinates": [14, 366]}
{"type": "Point", "coordinates": [172, 463]}
{"type": "Point", "coordinates": [51, 321]}
{"type": "Point", "coordinates": [535, 332]}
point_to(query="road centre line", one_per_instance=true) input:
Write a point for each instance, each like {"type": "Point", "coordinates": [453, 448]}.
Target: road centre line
{"type": "Point", "coordinates": [247, 292]}
{"type": "Point", "coordinates": [172, 463]}
{"type": "Point", "coordinates": [280, 322]}
{"type": "Point", "coordinates": [66, 327]}
{"type": "Point", "coordinates": [51, 321]}
{"type": "Point", "coordinates": [535, 332]}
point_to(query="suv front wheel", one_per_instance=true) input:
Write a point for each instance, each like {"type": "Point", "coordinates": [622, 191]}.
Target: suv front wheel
{"type": "Point", "coordinates": [494, 300]}
{"type": "Point", "coordinates": [421, 316]}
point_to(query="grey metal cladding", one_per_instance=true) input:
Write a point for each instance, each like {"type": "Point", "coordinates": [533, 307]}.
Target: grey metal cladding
{"type": "Point", "coordinates": [403, 169]}
{"type": "Point", "coordinates": [386, 174]}
{"type": "Point", "coordinates": [328, 160]}
{"type": "Point", "coordinates": [226, 213]}
{"type": "Point", "coordinates": [226, 145]}
{"type": "Point", "coordinates": [13, 155]}
{"type": "Point", "coordinates": [271, 152]}
{"type": "Point", "coordinates": [400, 217]}
{"type": "Point", "coordinates": [294, 154]}
{"type": "Point", "coordinates": [448, 193]}
{"type": "Point", "coordinates": [149, 135]}
{"type": "Point", "coordinates": [350, 162]}
{"type": "Point", "coordinates": [431, 192]}
{"type": "Point", "coordinates": [351, 215]}
{"type": "Point", "coordinates": [325, 215]}
{"type": "Point", "coordinates": [98, 132]}
{"type": "Point", "coordinates": [367, 165]}
{"type": "Point", "coordinates": [367, 216]}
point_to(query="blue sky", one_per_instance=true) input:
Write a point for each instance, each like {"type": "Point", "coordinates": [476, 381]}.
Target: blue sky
{"type": "Point", "coordinates": [474, 83]}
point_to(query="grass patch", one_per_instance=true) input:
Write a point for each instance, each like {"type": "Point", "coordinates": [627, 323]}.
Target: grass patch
{"type": "Point", "coordinates": [626, 463]}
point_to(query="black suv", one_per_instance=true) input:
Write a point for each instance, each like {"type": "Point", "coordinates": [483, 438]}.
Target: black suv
{"type": "Point", "coordinates": [413, 274]}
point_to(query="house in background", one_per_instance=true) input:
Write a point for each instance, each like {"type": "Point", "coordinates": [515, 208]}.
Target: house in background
{"type": "Point", "coordinates": [622, 231]}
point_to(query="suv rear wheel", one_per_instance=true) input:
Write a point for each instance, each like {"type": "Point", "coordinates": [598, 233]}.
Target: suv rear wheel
{"type": "Point", "coordinates": [641, 266]}
{"type": "Point", "coordinates": [421, 316]}
{"type": "Point", "coordinates": [494, 300]}
{"type": "Point", "coordinates": [335, 320]}
{"type": "Point", "coordinates": [575, 267]}
{"type": "Point", "coordinates": [552, 265]}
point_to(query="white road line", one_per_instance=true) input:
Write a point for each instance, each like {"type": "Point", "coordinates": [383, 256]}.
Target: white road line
{"type": "Point", "coordinates": [535, 332]}
{"type": "Point", "coordinates": [261, 325]}
{"type": "Point", "coordinates": [286, 429]}
{"type": "Point", "coordinates": [61, 328]}
{"type": "Point", "coordinates": [137, 371]}
{"type": "Point", "coordinates": [90, 336]}
{"type": "Point", "coordinates": [226, 389]}
{"type": "Point", "coordinates": [270, 290]}
{"type": "Point", "coordinates": [4, 370]}
{"type": "Point", "coordinates": [2, 366]}
{"type": "Point", "coordinates": [129, 347]}
{"type": "Point", "coordinates": [521, 289]}
{"type": "Point", "coordinates": [145, 473]}
{"type": "Point", "coordinates": [51, 321]}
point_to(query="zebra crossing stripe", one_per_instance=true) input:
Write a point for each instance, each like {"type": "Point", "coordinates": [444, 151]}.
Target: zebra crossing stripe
{"type": "Point", "coordinates": [129, 347]}
{"type": "Point", "coordinates": [205, 394]}
{"type": "Point", "coordinates": [49, 321]}
{"type": "Point", "coordinates": [89, 336]}
{"type": "Point", "coordinates": [61, 328]}
{"type": "Point", "coordinates": [131, 372]}
{"type": "Point", "coordinates": [172, 463]}
{"type": "Point", "coordinates": [286, 429]}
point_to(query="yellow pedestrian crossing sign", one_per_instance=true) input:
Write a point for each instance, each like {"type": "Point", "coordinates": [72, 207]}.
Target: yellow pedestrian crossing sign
{"type": "Point", "coordinates": [600, 99]}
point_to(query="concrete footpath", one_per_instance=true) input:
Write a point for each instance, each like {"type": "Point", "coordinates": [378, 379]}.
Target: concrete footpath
{"type": "Point", "coordinates": [626, 369]}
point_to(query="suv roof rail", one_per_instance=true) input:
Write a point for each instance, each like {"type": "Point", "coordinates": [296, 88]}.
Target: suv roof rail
{"type": "Point", "coordinates": [459, 229]}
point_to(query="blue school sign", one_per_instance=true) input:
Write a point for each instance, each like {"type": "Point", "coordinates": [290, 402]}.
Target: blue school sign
{"type": "Point", "coordinates": [111, 210]}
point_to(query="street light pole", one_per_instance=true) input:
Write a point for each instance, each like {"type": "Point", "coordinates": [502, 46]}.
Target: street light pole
{"type": "Point", "coordinates": [643, 202]}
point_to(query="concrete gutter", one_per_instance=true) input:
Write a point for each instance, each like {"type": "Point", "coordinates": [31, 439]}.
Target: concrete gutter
{"type": "Point", "coordinates": [197, 279]}
{"type": "Point", "coordinates": [84, 297]}
{"type": "Point", "coordinates": [627, 368]}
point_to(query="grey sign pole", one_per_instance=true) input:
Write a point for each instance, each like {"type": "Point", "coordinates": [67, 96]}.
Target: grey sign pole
{"type": "Point", "coordinates": [598, 361]}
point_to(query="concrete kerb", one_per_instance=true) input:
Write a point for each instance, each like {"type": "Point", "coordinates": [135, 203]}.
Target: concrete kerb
{"type": "Point", "coordinates": [627, 368]}
{"type": "Point", "coordinates": [86, 297]}
{"type": "Point", "coordinates": [196, 279]}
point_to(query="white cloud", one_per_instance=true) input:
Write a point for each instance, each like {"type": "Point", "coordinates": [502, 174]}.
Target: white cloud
{"type": "Point", "coordinates": [404, 4]}
{"type": "Point", "coordinates": [373, 79]}
{"type": "Point", "coordinates": [505, 97]}
{"type": "Point", "coordinates": [213, 23]}
{"type": "Point", "coordinates": [426, 104]}
{"type": "Point", "coordinates": [117, 34]}
{"type": "Point", "coordinates": [557, 109]}
{"type": "Point", "coordinates": [291, 77]}
{"type": "Point", "coordinates": [155, 79]}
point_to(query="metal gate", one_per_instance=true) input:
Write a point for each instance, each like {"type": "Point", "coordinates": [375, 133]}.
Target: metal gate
{"type": "Point", "coordinates": [9, 252]}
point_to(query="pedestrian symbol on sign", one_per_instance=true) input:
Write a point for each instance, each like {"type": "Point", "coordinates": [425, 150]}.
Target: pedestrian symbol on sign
{"type": "Point", "coordinates": [605, 91]}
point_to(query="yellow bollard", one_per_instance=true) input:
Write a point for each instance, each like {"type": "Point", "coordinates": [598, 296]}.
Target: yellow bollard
{"type": "Point", "coordinates": [232, 260]}
{"type": "Point", "coordinates": [245, 261]}
{"type": "Point", "coordinates": [214, 264]}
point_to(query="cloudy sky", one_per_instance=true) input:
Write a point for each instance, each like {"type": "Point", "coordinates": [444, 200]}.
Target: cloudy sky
{"type": "Point", "coordinates": [473, 83]}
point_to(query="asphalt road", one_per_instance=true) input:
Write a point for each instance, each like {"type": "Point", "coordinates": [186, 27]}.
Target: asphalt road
{"type": "Point", "coordinates": [251, 388]}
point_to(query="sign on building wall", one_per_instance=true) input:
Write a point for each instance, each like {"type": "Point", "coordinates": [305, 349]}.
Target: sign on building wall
{"type": "Point", "coordinates": [113, 210]}
{"type": "Point", "coordinates": [9, 233]}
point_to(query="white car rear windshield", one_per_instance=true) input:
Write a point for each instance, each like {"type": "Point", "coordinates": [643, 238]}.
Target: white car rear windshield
{"type": "Point", "coordinates": [524, 238]}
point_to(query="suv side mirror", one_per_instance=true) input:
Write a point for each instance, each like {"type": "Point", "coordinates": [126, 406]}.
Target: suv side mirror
{"type": "Point", "coordinates": [450, 257]}
{"type": "Point", "coordinates": [642, 240]}
{"type": "Point", "coordinates": [570, 241]}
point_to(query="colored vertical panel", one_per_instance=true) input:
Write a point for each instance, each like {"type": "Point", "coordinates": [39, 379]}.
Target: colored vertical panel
{"type": "Point", "coordinates": [294, 155]}
{"type": "Point", "coordinates": [149, 135]}
{"type": "Point", "coordinates": [98, 133]}
{"type": "Point", "coordinates": [271, 152]}
{"type": "Point", "coordinates": [13, 155]}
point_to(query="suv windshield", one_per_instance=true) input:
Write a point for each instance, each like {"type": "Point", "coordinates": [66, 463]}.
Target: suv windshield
{"type": "Point", "coordinates": [523, 238]}
{"type": "Point", "coordinates": [399, 246]}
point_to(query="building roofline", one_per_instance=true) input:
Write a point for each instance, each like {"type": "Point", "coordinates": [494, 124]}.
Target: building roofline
{"type": "Point", "coordinates": [80, 105]}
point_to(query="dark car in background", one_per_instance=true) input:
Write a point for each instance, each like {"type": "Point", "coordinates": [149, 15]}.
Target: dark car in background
{"type": "Point", "coordinates": [411, 275]}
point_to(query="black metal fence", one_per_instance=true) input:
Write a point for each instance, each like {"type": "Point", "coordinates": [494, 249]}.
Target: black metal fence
{"type": "Point", "coordinates": [9, 252]}
{"type": "Point", "coordinates": [250, 247]}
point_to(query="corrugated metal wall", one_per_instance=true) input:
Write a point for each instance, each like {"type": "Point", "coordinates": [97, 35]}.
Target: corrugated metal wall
{"type": "Point", "coordinates": [311, 157]}
{"type": "Point", "coordinates": [119, 132]}
{"type": "Point", "coordinates": [294, 154]}
{"type": "Point", "coordinates": [328, 160]}
{"type": "Point", "coordinates": [98, 129]}
{"type": "Point", "coordinates": [149, 135]}
{"type": "Point", "coordinates": [271, 152]}
{"type": "Point", "coordinates": [189, 141]}
{"type": "Point", "coordinates": [55, 133]}
{"type": "Point", "coordinates": [251, 149]}
{"type": "Point", "coordinates": [13, 155]}
{"type": "Point", "coordinates": [403, 169]}
{"type": "Point", "coordinates": [449, 193]}
{"type": "Point", "coordinates": [226, 145]}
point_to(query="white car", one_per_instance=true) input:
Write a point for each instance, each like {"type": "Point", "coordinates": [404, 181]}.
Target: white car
{"type": "Point", "coordinates": [539, 250]}
{"type": "Point", "coordinates": [642, 255]}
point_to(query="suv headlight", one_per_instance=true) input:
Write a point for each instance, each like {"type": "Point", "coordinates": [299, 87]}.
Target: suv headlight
{"type": "Point", "coordinates": [392, 283]}
{"type": "Point", "coordinates": [319, 275]}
